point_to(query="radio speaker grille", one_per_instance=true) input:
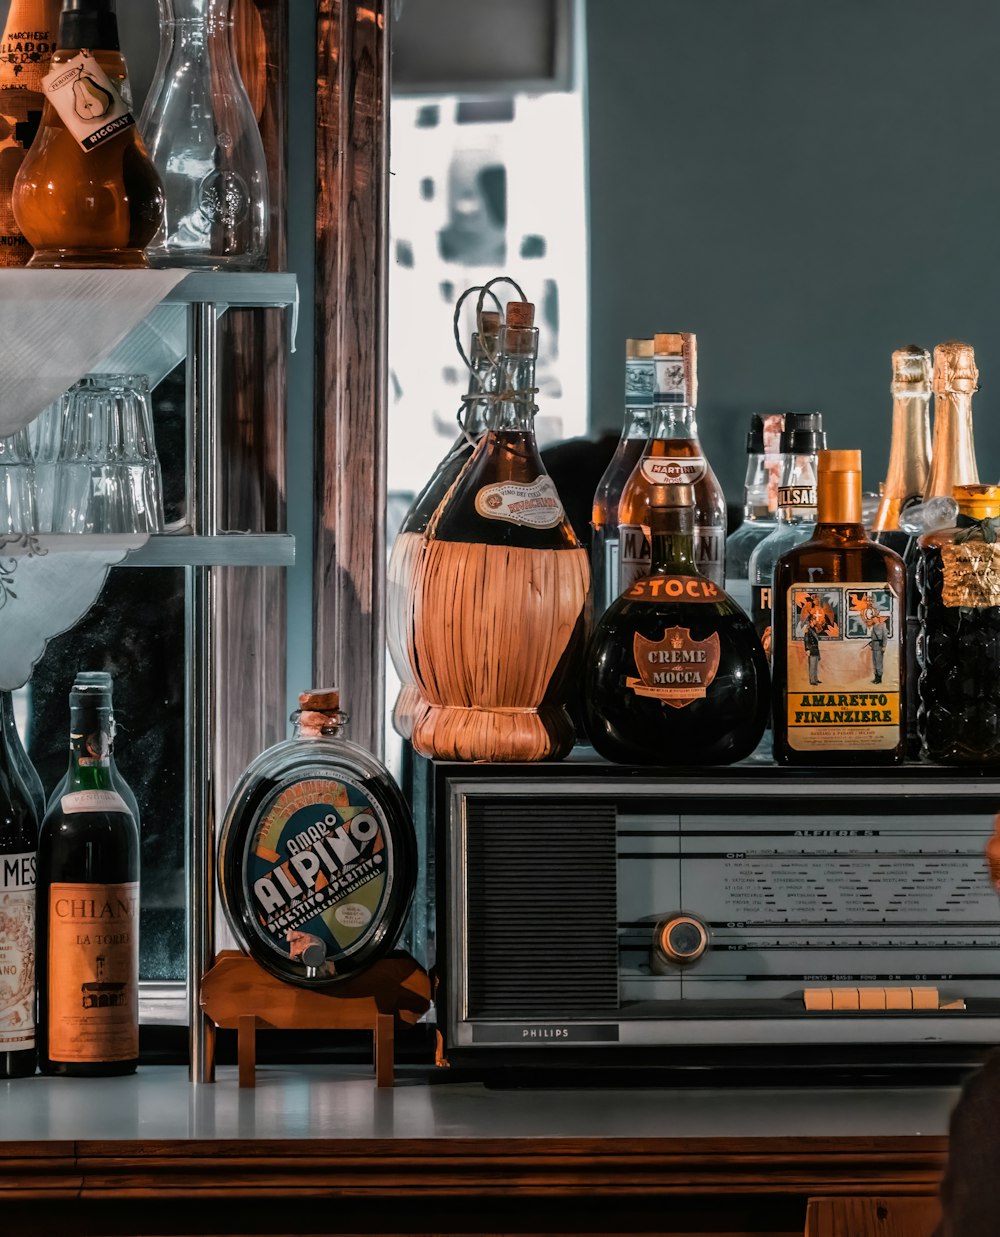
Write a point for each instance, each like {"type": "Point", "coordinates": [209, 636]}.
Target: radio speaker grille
{"type": "Point", "coordinates": [541, 888]}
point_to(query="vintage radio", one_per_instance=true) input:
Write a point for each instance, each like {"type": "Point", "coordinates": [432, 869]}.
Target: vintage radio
{"type": "Point", "coordinates": [593, 915]}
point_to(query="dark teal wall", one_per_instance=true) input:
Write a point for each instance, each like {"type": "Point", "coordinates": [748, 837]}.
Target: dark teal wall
{"type": "Point", "coordinates": [807, 186]}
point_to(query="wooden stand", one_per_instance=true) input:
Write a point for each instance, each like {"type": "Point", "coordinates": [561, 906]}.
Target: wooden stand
{"type": "Point", "coordinates": [240, 994]}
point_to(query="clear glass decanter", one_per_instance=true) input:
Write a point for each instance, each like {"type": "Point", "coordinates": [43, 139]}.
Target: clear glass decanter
{"type": "Point", "coordinates": [201, 132]}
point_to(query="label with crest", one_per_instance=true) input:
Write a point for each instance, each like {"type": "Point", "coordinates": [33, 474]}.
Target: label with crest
{"type": "Point", "coordinates": [675, 669]}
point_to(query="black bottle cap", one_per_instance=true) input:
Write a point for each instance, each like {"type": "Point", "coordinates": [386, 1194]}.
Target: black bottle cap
{"type": "Point", "coordinates": [803, 434]}
{"type": "Point", "coordinates": [755, 435]}
{"type": "Point", "coordinates": [89, 23]}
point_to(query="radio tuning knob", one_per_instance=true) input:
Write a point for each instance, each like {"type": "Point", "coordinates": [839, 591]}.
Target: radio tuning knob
{"type": "Point", "coordinates": [681, 939]}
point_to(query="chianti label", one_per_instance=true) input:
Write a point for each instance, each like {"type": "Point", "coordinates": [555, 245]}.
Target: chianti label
{"type": "Point", "coordinates": [675, 669]}
{"type": "Point", "coordinates": [318, 871]}
{"type": "Point", "coordinates": [17, 952]}
{"type": "Point", "coordinates": [87, 102]}
{"type": "Point", "coordinates": [535, 504]}
{"type": "Point", "coordinates": [673, 470]}
{"type": "Point", "coordinates": [93, 978]}
{"type": "Point", "coordinates": [843, 684]}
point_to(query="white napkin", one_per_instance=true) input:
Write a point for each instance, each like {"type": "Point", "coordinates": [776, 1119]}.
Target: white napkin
{"type": "Point", "coordinates": [56, 326]}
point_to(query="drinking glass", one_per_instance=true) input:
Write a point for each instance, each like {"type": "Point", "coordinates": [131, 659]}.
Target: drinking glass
{"type": "Point", "coordinates": [45, 435]}
{"type": "Point", "coordinates": [17, 485]}
{"type": "Point", "coordinates": [107, 475]}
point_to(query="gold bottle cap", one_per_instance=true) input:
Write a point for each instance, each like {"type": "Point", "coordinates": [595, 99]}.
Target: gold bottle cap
{"type": "Point", "coordinates": [955, 368]}
{"type": "Point", "coordinates": [685, 344]}
{"type": "Point", "coordinates": [911, 371]}
{"type": "Point", "coordinates": [978, 502]}
{"type": "Point", "coordinates": [638, 349]}
{"type": "Point", "coordinates": [838, 487]}
{"type": "Point", "coordinates": [520, 313]}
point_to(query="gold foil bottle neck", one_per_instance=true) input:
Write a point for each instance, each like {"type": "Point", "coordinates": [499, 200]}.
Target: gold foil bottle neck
{"type": "Point", "coordinates": [978, 502]}
{"type": "Point", "coordinates": [911, 371]}
{"type": "Point", "coordinates": [838, 487]}
{"type": "Point", "coordinates": [638, 349]}
{"type": "Point", "coordinates": [955, 369]}
{"type": "Point", "coordinates": [683, 344]}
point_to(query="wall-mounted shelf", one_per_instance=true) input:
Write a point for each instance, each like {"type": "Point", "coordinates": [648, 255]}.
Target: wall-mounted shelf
{"type": "Point", "coordinates": [179, 549]}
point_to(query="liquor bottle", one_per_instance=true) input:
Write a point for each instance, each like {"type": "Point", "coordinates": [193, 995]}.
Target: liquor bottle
{"type": "Point", "coordinates": [18, 845]}
{"type": "Point", "coordinates": [501, 590]}
{"type": "Point", "coordinates": [22, 762]}
{"type": "Point", "coordinates": [760, 503]}
{"type": "Point", "coordinates": [409, 541]}
{"type": "Point", "coordinates": [88, 910]}
{"type": "Point", "coordinates": [29, 39]}
{"type": "Point", "coordinates": [910, 446]}
{"type": "Point", "coordinates": [958, 716]}
{"type": "Point", "coordinates": [953, 454]}
{"type": "Point", "coordinates": [837, 644]}
{"type": "Point", "coordinates": [101, 680]}
{"type": "Point", "coordinates": [639, 380]}
{"type": "Point", "coordinates": [801, 440]}
{"type": "Point", "coordinates": [675, 673]}
{"type": "Point", "coordinates": [87, 193]}
{"type": "Point", "coordinates": [317, 859]}
{"type": "Point", "coordinates": [673, 452]}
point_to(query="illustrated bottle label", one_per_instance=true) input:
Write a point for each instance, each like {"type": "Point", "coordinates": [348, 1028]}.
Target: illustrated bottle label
{"type": "Point", "coordinates": [673, 588]}
{"type": "Point", "coordinates": [318, 871]}
{"type": "Point", "coordinates": [535, 504]}
{"type": "Point", "coordinates": [671, 380]}
{"type": "Point", "coordinates": [675, 669]}
{"type": "Point", "coordinates": [17, 952]}
{"type": "Point", "coordinates": [798, 501]}
{"type": "Point", "coordinates": [760, 605]}
{"type": "Point", "coordinates": [639, 382]}
{"type": "Point", "coordinates": [87, 102]}
{"type": "Point", "coordinates": [93, 957]}
{"type": "Point", "coordinates": [634, 557]}
{"type": "Point", "coordinates": [843, 688]}
{"type": "Point", "coordinates": [673, 470]}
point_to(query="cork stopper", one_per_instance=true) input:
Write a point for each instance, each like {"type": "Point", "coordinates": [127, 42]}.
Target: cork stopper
{"type": "Point", "coordinates": [978, 502]}
{"type": "Point", "coordinates": [838, 487]}
{"type": "Point", "coordinates": [681, 344]}
{"type": "Point", "coordinates": [319, 713]}
{"type": "Point", "coordinates": [320, 698]}
{"type": "Point", "coordinates": [638, 349]}
{"type": "Point", "coordinates": [489, 323]}
{"type": "Point", "coordinates": [669, 344]}
{"type": "Point", "coordinates": [911, 371]}
{"type": "Point", "coordinates": [520, 314]}
{"type": "Point", "coordinates": [955, 369]}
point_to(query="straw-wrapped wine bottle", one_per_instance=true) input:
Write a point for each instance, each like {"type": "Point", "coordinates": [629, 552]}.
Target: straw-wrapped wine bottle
{"type": "Point", "coordinates": [501, 589]}
{"type": "Point", "coordinates": [409, 543]}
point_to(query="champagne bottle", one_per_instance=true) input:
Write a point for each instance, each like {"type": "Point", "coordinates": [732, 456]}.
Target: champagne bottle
{"type": "Point", "coordinates": [18, 843]}
{"type": "Point", "coordinates": [29, 39]}
{"type": "Point", "coordinates": [88, 910]}
{"type": "Point", "coordinates": [87, 194]}
{"type": "Point", "coordinates": [910, 446]}
{"type": "Point", "coordinates": [604, 544]}
{"type": "Point", "coordinates": [953, 456]}
{"type": "Point", "coordinates": [838, 635]}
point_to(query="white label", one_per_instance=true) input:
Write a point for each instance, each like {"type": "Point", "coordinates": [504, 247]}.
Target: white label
{"type": "Point", "coordinates": [633, 555]}
{"type": "Point", "coordinates": [673, 470]}
{"type": "Point", "coordinates": [80, 801]}
{"type": "Point", "coordinates": [671, 387]}
{"type": "Point", "coordinates": [710, 553]}
{"type": "Point", "coordinates": [610, 572]}
{"type": "Point", "coordinates": [535, 505]}
{"type": "Point", "coordinates": [17, 952]}
{"type": "Point", "coordinates": [87, 102]}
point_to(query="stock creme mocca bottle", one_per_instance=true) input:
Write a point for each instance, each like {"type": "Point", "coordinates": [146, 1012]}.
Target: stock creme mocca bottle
{"type": "Point", "coordinates": [675, 673]}
{"type": "Point", "coordinates": [838, 635]}
{"type": "Point", "coordinates": [88, 909]}
{"type": "Point", "coordinates": [87, 193]}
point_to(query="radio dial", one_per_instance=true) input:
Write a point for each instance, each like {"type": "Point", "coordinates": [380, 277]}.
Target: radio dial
{"type": "Point", "coordinates": [681, 939]}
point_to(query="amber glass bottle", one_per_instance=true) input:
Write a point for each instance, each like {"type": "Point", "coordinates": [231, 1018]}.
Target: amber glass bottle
{"type": "Point", "coordinates": [675, 673]}
{"type": "Point", "coordinates": [87, 193]}
{"type": "Point", "coordinates": [838, 635]}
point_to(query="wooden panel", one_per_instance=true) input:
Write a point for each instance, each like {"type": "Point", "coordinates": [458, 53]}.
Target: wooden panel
{"type": "Point", "coordinates": [351, 225]}
{"type": "Point", "coordinates": [872, 1217]}
{"type": "Point", "coordinates": [250, 676]}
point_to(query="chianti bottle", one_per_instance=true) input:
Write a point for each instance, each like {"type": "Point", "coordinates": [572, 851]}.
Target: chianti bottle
{"type": "Point", "coordinates": [88, 909]}
{"type": "Point", "coordinates": [18, 841]}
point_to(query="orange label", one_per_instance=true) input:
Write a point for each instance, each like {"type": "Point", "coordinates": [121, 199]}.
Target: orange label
{"type": "Point", "coordinates": [670, 588]}
{"type": "Point", "coordinates": [94, 972]}
{"type": "Point", "coordinates": [675, 669]}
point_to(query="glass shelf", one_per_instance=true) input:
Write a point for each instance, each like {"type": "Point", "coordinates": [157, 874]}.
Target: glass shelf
{"type": "Point", "coordinates": [236, 289]}
{"type": "Point", "coordinates": [181, 549]}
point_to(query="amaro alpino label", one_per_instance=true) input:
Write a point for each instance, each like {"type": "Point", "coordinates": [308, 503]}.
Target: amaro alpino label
{"type": "Point", "coordinates": [535, 504]}
{"type": "Point", "coordinates": [318, 872]}
{"type": "Point", "coordinates": [17, 952]}
{"type": "Point", "coordinates": [843, 650]}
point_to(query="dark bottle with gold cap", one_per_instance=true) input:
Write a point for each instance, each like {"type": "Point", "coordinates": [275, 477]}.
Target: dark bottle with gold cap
{"type": "Point", "coordinates": [910, 447]}
{"type": "Point", "coordinates": [958, 572]}
{"type": "Point", "coordinates": [675, 673]}
{"type": "Point", "coordinates": [838, 635]}
{"type": "Point", "coordinates": [953, 455]}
